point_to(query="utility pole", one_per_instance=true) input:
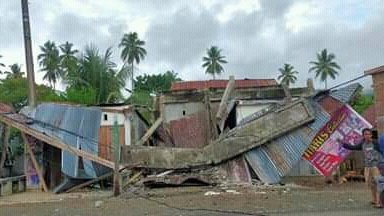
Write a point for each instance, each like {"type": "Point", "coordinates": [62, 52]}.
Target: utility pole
{"type": "Point", "coordinates": [28, 54]}
{"type": "Point", "coordinates": [116, 149]}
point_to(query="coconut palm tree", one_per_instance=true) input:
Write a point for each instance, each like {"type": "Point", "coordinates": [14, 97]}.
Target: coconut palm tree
{"type": "Point", "coordinates": [325, 66]}
{"type": "Point", "coordinates": [132, 51]}
{"type": "Point", "coordinates": [287, 75]}
{"type": "Point", "coordinates": [97, 71]}
{"type": "Point", "coordinates": [68, 60]}
{"type": "Point", "coordinates": [49, 60]}
{"type": "Point", "coordinates": [15, 71]}
{"type": "Point", "coordinates": [1, 64]}
{"type": "Point", "coordinates": [212, 62]}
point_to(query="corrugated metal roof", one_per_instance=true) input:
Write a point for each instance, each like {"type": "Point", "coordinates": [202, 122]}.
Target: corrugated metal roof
{"type": "Point", "coordinates": [75, 126]}
{"type": "Point", "coordinates": [347, 93]}
{"type": "Point", "coordinates": [221, 84]}
{"type": "Point", "coordinates": [275, 159]}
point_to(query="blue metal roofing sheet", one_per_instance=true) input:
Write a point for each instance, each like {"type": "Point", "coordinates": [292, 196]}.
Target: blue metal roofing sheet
{"type": "Point", "coordinates": [75, 126]}
{"type": "Point", "coordinates": [346, 93]}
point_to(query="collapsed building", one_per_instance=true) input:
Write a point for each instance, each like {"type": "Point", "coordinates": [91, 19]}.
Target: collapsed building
{"type": "Point", "coordinates": [238, 130]}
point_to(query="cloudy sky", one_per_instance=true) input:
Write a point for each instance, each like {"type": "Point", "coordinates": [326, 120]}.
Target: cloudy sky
{"type": "Point", "coordinates": [256, 36]}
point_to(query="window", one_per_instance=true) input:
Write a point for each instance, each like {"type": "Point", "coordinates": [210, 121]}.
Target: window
{"type": "Point", "coordinates": [105, 117]}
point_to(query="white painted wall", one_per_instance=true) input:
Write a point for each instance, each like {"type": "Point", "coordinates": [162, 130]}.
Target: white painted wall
{"type": "Point", "coordinates": [110, 118]}
{"type": "Point", "coordinates": [121, 120]}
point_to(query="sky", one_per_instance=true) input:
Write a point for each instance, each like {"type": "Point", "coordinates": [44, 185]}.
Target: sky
{"type": "Point", "coordinates": [256, 36]}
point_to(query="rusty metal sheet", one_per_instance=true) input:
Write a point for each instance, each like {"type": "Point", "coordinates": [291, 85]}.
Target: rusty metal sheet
{"type": "Point", "coordinates": [191, 131]}
{"type": "Point", "coordinates": [237, 170]}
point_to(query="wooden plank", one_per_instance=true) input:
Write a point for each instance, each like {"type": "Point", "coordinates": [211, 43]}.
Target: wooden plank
{"type": "Point", "coordinates": [107, 175]}
{"type": "Point", "coordinates": [55, 142]}
{"type": "Point", "coordinates": [149, 132]}
{"type": "Point", "coordinates": [222, 112]}
{"type": "Point", "coordinates": [7, 132]}
{"type": "Point", "coordinates": [133, 179]}
{"type": "Point", "coordinates": [35, 164]}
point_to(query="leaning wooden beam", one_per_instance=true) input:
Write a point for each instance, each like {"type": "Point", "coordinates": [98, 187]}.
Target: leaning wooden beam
{"type": "Point", "coordinates": [149, 132]}
{"type": "Point", "coordinates": [107, 175]}
{"type": "Point", "coordinates": [222, 112]}
{"type": "Point", "coordinates": [102, 177]}
{"type": "Point", "coordinates": [7, 132]}
{"type": "Point", "coordinates": [55, 142]}
{"type": "Point", "coordinates": [34, 161]}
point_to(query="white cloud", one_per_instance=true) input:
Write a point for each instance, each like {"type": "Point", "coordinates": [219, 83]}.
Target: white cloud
{"type": "Point", "coordinates": [239, 6]}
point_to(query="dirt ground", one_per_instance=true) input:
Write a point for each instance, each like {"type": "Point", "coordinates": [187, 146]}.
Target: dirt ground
{"type": "Point", "coordinates": [346, 199]}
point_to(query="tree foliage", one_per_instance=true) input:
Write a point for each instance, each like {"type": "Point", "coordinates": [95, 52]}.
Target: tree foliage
{"type": "Point", "coordinates": [14, 72]}
{"type": "Point", "coordinates": [287, 74]}
{"type": "Point", "coordinates": [14, 91]}
{"type": "Point", "coordinates": [213, 61]}
{"type": "Point", "coordinates": [325, 66]}
{"type": "Point", "coordinates": [152, 84]}
{"type": "Point", "coordinates": [132, 51]}
{"type": "Point", "coordinates": [362, 102]}
{"type": "Point", "coordinates": [49, 61]}
{"type": "Point", "coordinates": [99, 74]}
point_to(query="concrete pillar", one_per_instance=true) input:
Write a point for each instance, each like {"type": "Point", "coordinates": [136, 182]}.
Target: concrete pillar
{"type": "Point", "coordinates": [378, 87]}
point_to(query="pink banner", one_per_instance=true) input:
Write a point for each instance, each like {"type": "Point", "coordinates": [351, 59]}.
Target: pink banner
{"type": "Point", "coordinates": [325, 153]}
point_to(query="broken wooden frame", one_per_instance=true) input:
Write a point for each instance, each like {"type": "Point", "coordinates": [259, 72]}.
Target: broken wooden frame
{"type": "Point", "coordinates": [54, 141]}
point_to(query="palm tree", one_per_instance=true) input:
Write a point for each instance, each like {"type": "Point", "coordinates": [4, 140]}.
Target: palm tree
{"type": "Point", "coordinates": [213, 61]}
{"type": "Point", "coordinates": [132, 51]}
{"type": "Point", "coordinates": [1, 64]}
{"type": "Point", "coordinates": [98, 72]}
{"type": "Point", "coordinates": [287, 75]}
{"type": "Point", "coordinates": [49, 60]}
{"type": "Point", "coordinates": [325, 66]}
{"type": "Point", "coordinates": [15, 71]}
{"type": "Point", "coordinates": [68, 60]}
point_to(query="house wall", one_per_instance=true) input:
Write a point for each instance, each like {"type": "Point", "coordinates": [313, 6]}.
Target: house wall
{"type": "Point", "coordinates": [108, 118]}
{"type": "Point", "coordinates": [174, 111]}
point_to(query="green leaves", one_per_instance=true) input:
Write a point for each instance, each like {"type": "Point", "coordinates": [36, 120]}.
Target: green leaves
{"type": "Point", "coordinates": [212, 62]}
{"type": "Point", "coordinates": [287, 74]}
{"type": "Point", "coordinates": [132, 51]}
{"type": "Point", "coordinates": [325, 66]}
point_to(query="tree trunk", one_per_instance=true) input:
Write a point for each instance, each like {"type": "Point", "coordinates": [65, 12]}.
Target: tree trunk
{"type": "Point", "coordinates": [132, 79]}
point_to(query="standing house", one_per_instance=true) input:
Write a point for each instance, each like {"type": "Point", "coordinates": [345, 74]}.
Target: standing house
{"type": "Point", "coordinates": [132, 127]}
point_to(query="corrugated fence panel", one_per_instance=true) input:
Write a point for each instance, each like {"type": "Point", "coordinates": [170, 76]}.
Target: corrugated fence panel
{"type": "Point", "coordinates": [75, 126]}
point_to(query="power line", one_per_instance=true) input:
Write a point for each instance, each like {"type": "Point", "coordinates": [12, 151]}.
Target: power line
{"type": "Point", "coordinates": [347, 82]}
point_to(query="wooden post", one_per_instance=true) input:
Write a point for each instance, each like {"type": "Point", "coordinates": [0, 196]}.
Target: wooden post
{"type": "Point", "coordinates": [7, 132]}
{"type": "Point", "coordinates": [34, 161]}
{"type": "Point", "coordinates": [28, 54]}
{"type": "Point", "coordinates": [116, 149]}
